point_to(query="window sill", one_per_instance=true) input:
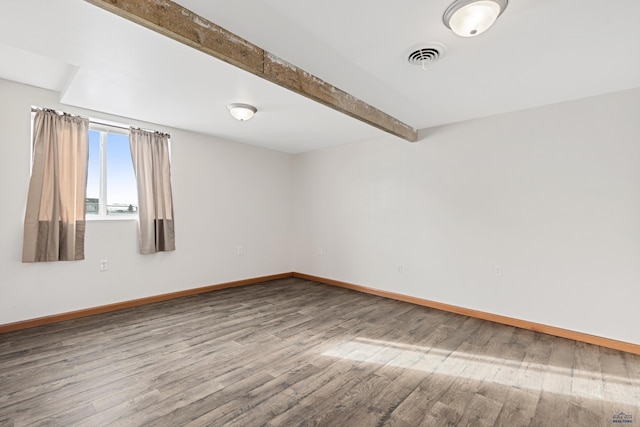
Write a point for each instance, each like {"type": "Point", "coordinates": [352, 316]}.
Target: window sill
{"type": "Point", "coordinates": [91, 218]}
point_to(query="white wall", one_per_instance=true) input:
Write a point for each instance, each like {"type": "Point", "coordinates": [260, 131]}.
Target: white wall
{"type": "Point", "coordinates": [552, 195]}
{"type": "Point", "coordinates": [226, 195]}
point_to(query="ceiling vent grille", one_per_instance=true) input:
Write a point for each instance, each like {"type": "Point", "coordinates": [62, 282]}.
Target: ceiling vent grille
{"type": "Point", "coordinates": [425, 54]}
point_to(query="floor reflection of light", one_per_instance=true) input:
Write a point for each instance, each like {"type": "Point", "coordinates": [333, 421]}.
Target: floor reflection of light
{"type": "Point", "coordinates": [511, 373]}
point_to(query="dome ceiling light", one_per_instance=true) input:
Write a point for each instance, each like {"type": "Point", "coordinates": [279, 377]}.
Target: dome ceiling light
{"type": "Point", "coordinates": [469, 18]}
{"type": "Point", "coordinates": [242, 112]}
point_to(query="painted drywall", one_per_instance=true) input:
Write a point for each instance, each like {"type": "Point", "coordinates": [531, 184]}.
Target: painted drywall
{"type": "Point", "coordinates": [226, 195]}
{"type": "Point", "coordinates": [550, 195]}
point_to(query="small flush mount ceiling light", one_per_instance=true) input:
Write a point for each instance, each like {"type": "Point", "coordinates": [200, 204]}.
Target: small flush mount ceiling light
{"type": "Point", "coordinates": [468, 18]}
{"type": "Point", "coordinates": [242, 112]}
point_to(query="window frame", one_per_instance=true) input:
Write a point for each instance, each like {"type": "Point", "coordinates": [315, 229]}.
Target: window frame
{"type": "Point", "coordinates": [105, 129]}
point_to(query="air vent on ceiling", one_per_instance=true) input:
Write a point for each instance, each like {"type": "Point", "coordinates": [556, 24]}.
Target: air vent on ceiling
{"type": "Point", "coordinates": [425, 54]}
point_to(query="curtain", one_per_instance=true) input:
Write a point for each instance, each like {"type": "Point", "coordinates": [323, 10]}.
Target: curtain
{"type": "Point", "coordinates": [150, 154]}
{"type": "Point", "coordinates": [54, 223]}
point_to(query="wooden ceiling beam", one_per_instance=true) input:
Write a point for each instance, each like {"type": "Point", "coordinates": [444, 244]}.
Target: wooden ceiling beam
{"type": "Point", "coordinates": [180, 24]}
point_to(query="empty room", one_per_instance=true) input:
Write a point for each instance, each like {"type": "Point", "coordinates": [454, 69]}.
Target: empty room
{"type": "Point", "coordinates": [296, 213]}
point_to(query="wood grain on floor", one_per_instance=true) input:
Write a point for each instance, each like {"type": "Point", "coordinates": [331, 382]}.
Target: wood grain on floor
{"type": "Point", "coordinates": [293, 352]}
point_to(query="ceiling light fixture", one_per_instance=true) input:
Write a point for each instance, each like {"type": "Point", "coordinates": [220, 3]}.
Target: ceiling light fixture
{"type": "Point", "coordinates": [468, 18]}
{"type": "Point", "coordinates": [242, 112]}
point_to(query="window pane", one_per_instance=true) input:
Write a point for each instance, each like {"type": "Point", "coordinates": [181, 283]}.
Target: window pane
{"type": "Point", "coordinates": [93, 175]}
{"type": "Point", "coordinates": [122, 195]}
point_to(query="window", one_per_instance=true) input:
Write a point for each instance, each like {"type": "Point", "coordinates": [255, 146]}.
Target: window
{"type": "Point", "coordinates": [111, 181]}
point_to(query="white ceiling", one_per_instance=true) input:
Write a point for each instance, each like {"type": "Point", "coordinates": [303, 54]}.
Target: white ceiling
{"type": "Point", "coordinates": [539, 52]}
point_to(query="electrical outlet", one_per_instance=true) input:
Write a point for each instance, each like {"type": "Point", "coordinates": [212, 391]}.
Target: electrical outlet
{"type": "Point", "coordinates": [399, 269]}
{"type": "Point", "coordinates": [320, 251]}
{"type": "Point", "coordinates": [497, 270]}
{"type": "Point", "coordinates": [240, 250]}
{"type": "Point", "coordinates": [104, 265]}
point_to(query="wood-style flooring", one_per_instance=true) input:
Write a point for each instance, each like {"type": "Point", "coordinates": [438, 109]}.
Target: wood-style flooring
{"type": "Point", "coordinates": [298, 353]}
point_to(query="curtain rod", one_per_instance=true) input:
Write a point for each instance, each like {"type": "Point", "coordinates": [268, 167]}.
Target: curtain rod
{"type": "Point", "coordinates": [168, 135]}
{"type": "Point", "coordinates": [112, 125]}
{"type": "Point", "coordinates": [51, 110]}
{"type": "Point", "coordinates": [99, 122]}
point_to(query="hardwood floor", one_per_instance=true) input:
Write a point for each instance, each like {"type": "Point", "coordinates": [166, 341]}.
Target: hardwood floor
{"type": "Point", "coordinates": [293, 352]}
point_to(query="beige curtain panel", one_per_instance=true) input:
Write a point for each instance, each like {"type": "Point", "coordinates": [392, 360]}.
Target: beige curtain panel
{"type": "Point", "coordinates": [54, 223]}
{"type": "Point", "coordinates": [150, 154]}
